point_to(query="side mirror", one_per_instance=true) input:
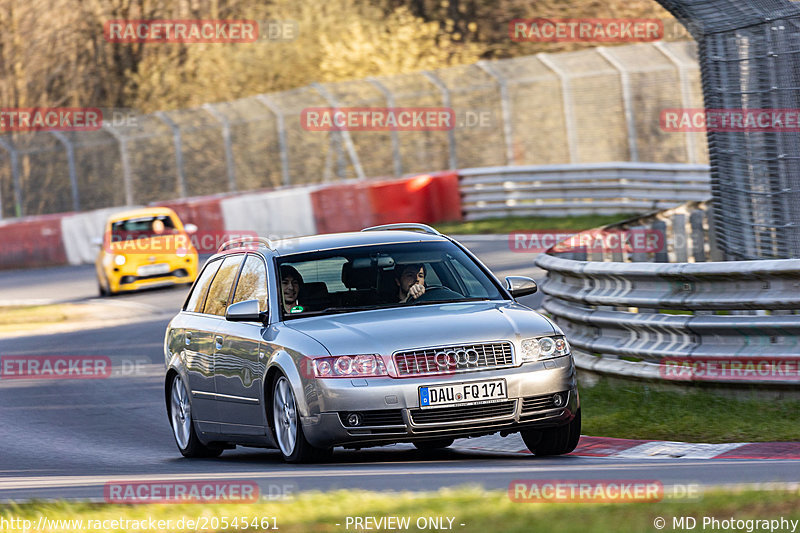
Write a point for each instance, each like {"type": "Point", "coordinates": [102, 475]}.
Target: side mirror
{"type": "Point", "coordinates": [246, 311]}
{"type": "Point", "coordinates": [190, 229]}
{"type": "Point", "coordinates": [520, 286]}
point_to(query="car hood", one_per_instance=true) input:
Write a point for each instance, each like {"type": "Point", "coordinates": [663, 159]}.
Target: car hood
{"type": "Point", "coordinates": [384, 331]}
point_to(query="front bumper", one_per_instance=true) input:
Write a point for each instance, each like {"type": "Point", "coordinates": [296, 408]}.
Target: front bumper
{"type": "Point", "coordinates": [395, 403]}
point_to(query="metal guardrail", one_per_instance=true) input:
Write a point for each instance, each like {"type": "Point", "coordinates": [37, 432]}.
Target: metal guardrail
{"type": "Point", "coordinates": [626, 318]}
{"type": "Point", "coordinates": [596, 188]}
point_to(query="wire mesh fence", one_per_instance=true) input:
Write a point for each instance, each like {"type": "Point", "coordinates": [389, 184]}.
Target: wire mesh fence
{"type": "Point", "coordinates": [596, 105]}
{"type": "Point", "coordinates": [750, 57]}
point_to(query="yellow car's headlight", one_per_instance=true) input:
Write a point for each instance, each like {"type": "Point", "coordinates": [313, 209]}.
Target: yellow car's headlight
{"type": "Point", "coordinates": [119, 260]}
{"type": "Point", "coordinates": [539, 348]}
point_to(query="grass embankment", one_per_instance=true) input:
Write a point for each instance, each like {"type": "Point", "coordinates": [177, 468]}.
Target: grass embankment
{"type": "Point", "coordinates": [23, 317]}
{"type": "Point", "coordinates": [638, 411]}
{"type": "Point", "coordinates": [508, 224]}
{"type": "Point", "coordinates": [33, 319]}
{"type": "Point", "coordinates": [478, 510]}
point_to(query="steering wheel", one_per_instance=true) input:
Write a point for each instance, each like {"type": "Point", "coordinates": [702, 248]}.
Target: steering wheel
{"type": "Point", "coordinates": [436, 292]}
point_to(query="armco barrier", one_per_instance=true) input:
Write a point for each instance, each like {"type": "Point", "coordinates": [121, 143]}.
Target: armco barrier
{"type": "Point", "coordinates": [32, 242]}
{"type": "Point", "coordinates": [625, 319]}
{"type": "Point", "coordinates": [588, 188]}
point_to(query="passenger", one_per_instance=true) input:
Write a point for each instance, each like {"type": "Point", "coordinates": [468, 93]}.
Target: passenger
{"type": "Point", "coordinates": [291, 283]}
{"type": "Point", "coordinates": [410, 280]}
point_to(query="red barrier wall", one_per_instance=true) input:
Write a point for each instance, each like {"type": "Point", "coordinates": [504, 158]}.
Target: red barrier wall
{"type": "Point", "coordinates": [32, 242]}
{"type": "Point", "coordinates": [205, 213]}
{"type": "Point", "coordinates": [344, 207]}
{"type": "Point", "coordinates": [425, 198]}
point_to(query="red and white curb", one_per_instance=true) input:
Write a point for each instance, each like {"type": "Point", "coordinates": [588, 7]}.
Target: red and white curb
{"type": "Point", "coordinates": [643, 449]}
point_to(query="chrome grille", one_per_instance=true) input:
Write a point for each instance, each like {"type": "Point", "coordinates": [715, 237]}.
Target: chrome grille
{"type": "Point", "coordinates": [463, 413]}
{"type": "Point", "coordinates": [459, 358]}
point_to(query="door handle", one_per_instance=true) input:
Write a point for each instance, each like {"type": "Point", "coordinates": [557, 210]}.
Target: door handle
{"type": "Point", "coordinates": [218, 338]}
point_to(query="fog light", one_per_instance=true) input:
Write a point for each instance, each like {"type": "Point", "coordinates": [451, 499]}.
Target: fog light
{"type": "Point", "coordinates": [558, 400]}
{"type": "Point", "coordinates": [354, 419]}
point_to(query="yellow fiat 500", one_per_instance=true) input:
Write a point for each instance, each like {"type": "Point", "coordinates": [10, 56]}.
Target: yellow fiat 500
{"type": "Point", "coordinates": [145, 248]}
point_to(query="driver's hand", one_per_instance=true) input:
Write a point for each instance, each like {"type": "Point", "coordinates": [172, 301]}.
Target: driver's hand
{"type": "Point", "coordinates": [415, 291]}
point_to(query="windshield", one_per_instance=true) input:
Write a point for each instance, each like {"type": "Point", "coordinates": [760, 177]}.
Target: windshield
{"type": "Point", "coordinates": [142, 228]}
{"type": "Point", "coordinates": [371, 277]}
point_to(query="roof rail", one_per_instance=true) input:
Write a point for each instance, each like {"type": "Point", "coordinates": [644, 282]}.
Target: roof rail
{"type": "Point", "coordinates": [407, 226]}
{"type": "Point", "coordinates": [242, 241]}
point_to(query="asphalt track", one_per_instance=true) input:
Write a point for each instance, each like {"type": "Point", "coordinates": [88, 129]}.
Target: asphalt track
{"type": "Point", "coordinates": [68, 438]}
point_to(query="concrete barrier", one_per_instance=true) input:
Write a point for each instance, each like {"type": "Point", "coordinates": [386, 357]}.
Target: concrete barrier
{"type": "Point", "coordinates": [350, 206]}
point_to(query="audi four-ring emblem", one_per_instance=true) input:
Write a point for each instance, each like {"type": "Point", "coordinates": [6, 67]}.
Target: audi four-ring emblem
{"type": "Point", "coordinates": [449, 358]}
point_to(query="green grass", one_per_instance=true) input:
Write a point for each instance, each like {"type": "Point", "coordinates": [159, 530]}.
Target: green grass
{"type": "Point", "coordinates": [636, 411]}
{"type": "Point", "coordinates": [508, 224]}
{"type": "Point", "coordinates": [478, 510]}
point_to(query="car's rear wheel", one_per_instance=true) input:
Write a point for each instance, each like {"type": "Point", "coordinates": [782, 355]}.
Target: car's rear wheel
{"type": "Point", "coordinates": [554, 441]}
{"type": "Point", "coordinates": [180, 418]}
{"type": "Point", "coordinates": [288, 428]}
{"type": "Point", "coordinates": [434, 444]}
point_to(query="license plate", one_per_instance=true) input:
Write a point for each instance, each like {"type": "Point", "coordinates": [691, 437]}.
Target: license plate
{"type": "Point", "coordinates": [463, 393]}
{"type": "Point", "coordinates": [152, 270]}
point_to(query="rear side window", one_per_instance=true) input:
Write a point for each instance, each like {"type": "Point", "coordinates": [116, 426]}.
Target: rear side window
{"type": "Point", "coordinates": [252, 284]}
{"type": "Point", "coordinates": [198, 296]}
{"type": "Point", "coordinates": [217, 301]}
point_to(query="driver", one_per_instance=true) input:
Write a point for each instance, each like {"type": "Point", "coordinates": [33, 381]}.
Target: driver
{"type": "Point", "coordinates": [291, 283]}
{"type": "Point", "coordinates": [410, 280]}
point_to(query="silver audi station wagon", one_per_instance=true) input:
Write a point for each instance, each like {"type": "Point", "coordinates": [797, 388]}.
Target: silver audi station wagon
{"type": "Point", "coordinates": [393, 334]}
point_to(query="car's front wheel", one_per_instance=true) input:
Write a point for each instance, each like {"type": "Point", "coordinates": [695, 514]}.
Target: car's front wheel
{"type": "Point", "coordinates": [288, 428]}
{"type": "Point", "coordinates": [180, 418]}
{"type": "Point", "coordinates": [554, 441]}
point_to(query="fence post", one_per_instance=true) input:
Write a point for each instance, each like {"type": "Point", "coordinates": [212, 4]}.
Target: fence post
{"type": "Point", "coordinates": [281, 126]}
{"type": "Point", "coordinates": [451, 133]}
{"type": "Point", "coordinates": [12, 152]}
{"type": "Point", "coordinates": [126, 164]}
{"type": "Point", "coordinates": [348, 141]}
{"type": "Point", "coordinates": [505, 106]}
{"type": "Point", "coordinates": [686, 95]}
{"type": "Point", "coordinates": [73, 179]}
{"type": "Point", "coordinates": [627, 101]}
{"type": "Point", "coordinates": [226, 138]}
{"type": "Point", "coordinates": [398, 163]}
{"type": "Point", "coordinates": [566, 96]}
{"type": "Point", "coordinates": [176, 140]}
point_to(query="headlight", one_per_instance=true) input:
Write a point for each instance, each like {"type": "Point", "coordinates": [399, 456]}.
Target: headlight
{"type": "Point", "coordinates": [180, 252]}
{"type": "Point", "coordinates": [119, 260]}
{"type": "Point", "coordinates": [347, 366]}
{"type": "Point", "coordinates": [540, 348]}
